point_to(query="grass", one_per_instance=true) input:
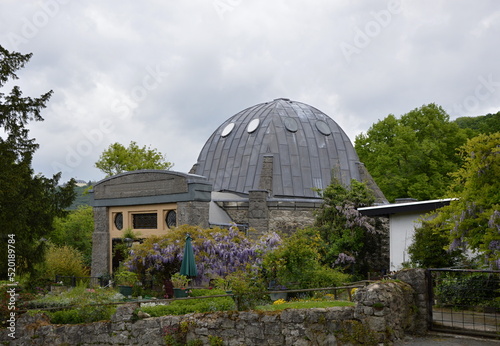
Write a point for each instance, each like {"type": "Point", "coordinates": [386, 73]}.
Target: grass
{"type": "Point", "coordinates": [303, 305]}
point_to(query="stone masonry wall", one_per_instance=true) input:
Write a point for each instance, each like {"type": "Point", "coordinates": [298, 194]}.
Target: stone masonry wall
{"type": "Point", "coordinates": [384, 312]}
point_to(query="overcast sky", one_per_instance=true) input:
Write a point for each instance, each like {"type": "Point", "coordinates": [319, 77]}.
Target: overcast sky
{"type": "Point", "coordinates": [166, 74]}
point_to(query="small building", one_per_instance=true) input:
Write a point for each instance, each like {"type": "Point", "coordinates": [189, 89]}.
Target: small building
{"type": "Point", "coordinates": [404, 216]}
{"type": "Point", "coordinates": [260, 169]}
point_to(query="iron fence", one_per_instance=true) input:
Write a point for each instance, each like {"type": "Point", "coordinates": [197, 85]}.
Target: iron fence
{"type": "Point", "coordinates": [465, 301]}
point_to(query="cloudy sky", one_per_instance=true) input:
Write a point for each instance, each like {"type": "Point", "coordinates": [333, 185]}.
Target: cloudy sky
{"type": "Point", "coordinates": [166, 74]}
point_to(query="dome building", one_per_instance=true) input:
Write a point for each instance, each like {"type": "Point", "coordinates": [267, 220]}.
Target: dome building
{"type": "Point", "coordinates": [282, 152]}
{"type": "Point", "coordinates": [261, 169]}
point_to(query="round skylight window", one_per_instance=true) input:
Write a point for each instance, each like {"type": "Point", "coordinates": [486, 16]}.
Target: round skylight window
{"type": "Point", "coordinates": [291, 124]}
{"type": "Point", "coordinates": [323, 127]}
{"type": "Point", "coordinates": [252, 126]}
{"type": "Point", "coordinates": [227, 130]}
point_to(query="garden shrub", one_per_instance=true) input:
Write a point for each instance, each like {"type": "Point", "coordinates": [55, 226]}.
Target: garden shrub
{"type": "Point", "coordinates": [297, 263]}
{"type": "Point", "coordinates": [248, 289]}
{"type": "Point", "coordinates": [182, 307]}
{"type": "Point", "coordinates": [83, 314]}
{"type": "Point", "coordinates": [64, 260]}
{"type": "Point", "coordinates": [467, 290]}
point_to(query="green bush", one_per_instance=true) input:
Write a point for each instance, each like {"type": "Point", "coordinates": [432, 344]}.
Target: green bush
{"type": "Point", "coordinates": [64, 260]}
{"type": "Point", "coordinates": [471, 290]}
{"type": "Point", "coordinates": [182, 307]}
{"type": "Point", "coordinates": [79, 295]}
{"type": "Point", "coordinates": [297, 263]}
{"type": "Point", "coordinates": [84, 314]}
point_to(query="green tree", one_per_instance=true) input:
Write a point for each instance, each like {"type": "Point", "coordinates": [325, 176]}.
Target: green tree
{"type": "Point", "coordinates": [29, 202]}
{"type": "Point", "coordinates": [350, 239]}
{"type": "Point", "coordinates": [429, 248]}
{"type": "Point", "coordinates": [486, 124]}
{"type": "Point", "coordinates": [412, 156]}
{"type": "Point", "coordinates": [297, 263]}
{"type": "Point", "coordinates": [75, 230]}
{"type": "Point", "coordinates": [472, 221]}
{"type": "Point", "coordinates": [118, 159]}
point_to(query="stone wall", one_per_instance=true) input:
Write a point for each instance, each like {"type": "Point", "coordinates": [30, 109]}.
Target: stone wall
{"type": "Point", "coordinates": [101, 243]}
{"type": "Point", "coordinates": [193, 213]}
{"type": "Point", "coordinates": [384, 312]}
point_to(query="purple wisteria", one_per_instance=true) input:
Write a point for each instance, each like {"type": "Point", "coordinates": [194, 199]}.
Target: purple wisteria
{"type": "Point", "coordinates": [217, 254]}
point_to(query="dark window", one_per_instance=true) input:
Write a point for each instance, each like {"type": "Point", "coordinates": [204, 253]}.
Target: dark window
{"type": "Point", "coordinates": [171, 219]}
{"type": "Point", "coordinates": [119, 221]}
{"type": "Point", "coordinates": [144, 221]}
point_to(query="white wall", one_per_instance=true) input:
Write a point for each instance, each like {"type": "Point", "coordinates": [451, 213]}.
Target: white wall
{"type": "Point", "coordinates": [402, 228]}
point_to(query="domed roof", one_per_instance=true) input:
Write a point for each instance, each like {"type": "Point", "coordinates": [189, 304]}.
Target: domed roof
{"type": "Point", "coordinates": [306, 146]}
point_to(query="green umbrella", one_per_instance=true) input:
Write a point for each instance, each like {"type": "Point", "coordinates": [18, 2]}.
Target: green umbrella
{"type": "Point", "coordinates": [188, 266]}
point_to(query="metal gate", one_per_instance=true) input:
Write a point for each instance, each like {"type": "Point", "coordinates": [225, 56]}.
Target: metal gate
{"type": "Point", "coordinates": [465, 301]}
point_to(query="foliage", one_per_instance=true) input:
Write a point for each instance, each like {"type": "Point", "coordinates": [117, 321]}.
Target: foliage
{"type": "Point", "coordinates": [180, 281]}
{"type": "Point", "coordinates": [484, 124]}
{"type": "Point", "coordinates": [303, 304]}
{"type": "Point", "coordinates": [218, 252]}
{"type": "Point", "coordinates": [182, 307]}
{"type": "Point", "coordinates": [428, 248]}
{"type": "Point", "coordinates": [118, 159]}
{"type": "Point", "coordinates": [346, 236]}
{"type": "Point", "coordinates": [83, 197]}
{"type": "Point", "coordinates": [412, 156]}
{"type": "Point", "coordinates": [214, 340]}
{"type": "Point", "coordinates": [83, 305]}
{"type": "Point", "coordinates": [125, 277]}
{"type": "Point", "coordinates": [64, 260]}
{"type": "Point", "coordinates": [248, 289]}
{"type": "Point", "coordinates": [472, 221]}
{"type": "Point", "coordinates": [82, 314]}
{"type": "Point", "coordinates": [221, 283]}
{"type": "Point", "coordinates": [176, 335]}
{"type": "Point", "coordinates": [467, 290]}
{"type": "Point", "coordinates": [28, 202]}
{"type": "Point", "coordinates": [297, 263]}
{"type": "Point", "coordinates": [75, 230]}
{"type": "Point", "coordinates": [79, 295]}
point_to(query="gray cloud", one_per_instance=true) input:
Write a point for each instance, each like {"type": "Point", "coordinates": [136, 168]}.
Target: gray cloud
{"type": "Point", "coordinates": [168, 74]}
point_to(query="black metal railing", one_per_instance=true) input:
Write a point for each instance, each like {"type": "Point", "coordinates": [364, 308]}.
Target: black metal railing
{"type": "Point", "coordinates": [465, 301]}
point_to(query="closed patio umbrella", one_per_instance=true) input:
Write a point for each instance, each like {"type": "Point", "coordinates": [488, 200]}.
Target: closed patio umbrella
{"type": "Point", "coordinates": [188, 266]}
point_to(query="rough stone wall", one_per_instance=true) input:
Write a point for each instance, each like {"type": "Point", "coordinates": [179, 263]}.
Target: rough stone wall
{"type": "Point", "coordinates": [100, 242]}
{"type": "Point", "coordinates": [387, 308]}
{"type": "Point", "coordinates": [384, 312]}
{"type": "Point", "coordinates": [193, 213]}
{"type": "Point", "coordinates": [258, 214]}
{"type": "Point", "coordinates": [238, 215]}
{"type": "Point", "coordinates": [418, 279]}
{"type": "Point", "coordinates": [288, 221]}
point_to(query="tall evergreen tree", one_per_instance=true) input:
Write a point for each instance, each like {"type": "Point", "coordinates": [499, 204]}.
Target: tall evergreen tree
{"type": "Point", "coordinates": [28, 201]}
